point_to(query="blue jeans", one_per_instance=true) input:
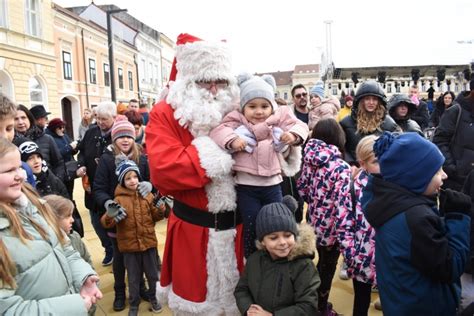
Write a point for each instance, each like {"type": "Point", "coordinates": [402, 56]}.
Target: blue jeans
{"type": "Point", "coordinates": [250, 200]}
{"type": "Point", "coordinates": [100, 231]}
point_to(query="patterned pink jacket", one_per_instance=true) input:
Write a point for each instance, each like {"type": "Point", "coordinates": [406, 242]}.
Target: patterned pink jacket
{"type": "Point", "coordinates": [357, 238]}
{"type": "Point", "coordinates": [325, 185]}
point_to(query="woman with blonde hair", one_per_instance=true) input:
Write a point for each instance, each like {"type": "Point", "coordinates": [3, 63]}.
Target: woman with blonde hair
{"type": "Point", "coordinates": [368, 116]}
{"type": "Point", "coordinates": [40, 272]}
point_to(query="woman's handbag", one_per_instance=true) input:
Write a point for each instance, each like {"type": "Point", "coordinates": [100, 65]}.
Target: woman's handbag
{"type": "Point", "coordinates": [71, 168]}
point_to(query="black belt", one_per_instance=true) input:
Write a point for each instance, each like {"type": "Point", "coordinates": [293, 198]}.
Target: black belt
{"type": "Point", "coordinates": [218, 221]}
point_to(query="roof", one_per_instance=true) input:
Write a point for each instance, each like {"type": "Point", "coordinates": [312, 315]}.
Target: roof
{"type": "Point", "coordinates": [282, 78]}
{"type": "Point", "coordinates": [310, 68]}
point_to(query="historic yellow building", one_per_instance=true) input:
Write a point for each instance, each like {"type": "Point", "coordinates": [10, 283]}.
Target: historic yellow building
{"type": "Point", "coordinates": [27, 59]}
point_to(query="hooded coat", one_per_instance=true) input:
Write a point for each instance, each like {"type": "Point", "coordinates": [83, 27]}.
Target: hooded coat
{"type": "Point", "coordinates": [349, 125]}
{"type": "Point", "coordinates": [286, 286]}
{"type": "Point", "coordinates": [420, 256]}
{"type": "Point", "coordinates": [405, 123]}
{"type": "Point", "coordinates": [457, 143]}
{"type": "Point", "coordinates": [49, 275]}
{"type": "Point", "coordinates": [135, 233]}
{"type": "Point", "coordinates": [325, 185]}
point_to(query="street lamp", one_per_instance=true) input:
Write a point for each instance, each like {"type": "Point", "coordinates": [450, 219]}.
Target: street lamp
{"type": "Point", "coordinates": [110, 39]}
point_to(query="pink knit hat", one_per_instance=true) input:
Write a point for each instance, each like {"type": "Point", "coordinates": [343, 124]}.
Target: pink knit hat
{"type": "Point", "coordinates": [122, 128]}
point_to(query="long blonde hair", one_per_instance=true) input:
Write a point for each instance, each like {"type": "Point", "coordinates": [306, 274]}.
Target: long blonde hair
{"type": "Point", "coordinates": [7, 270]}
{"type": "Point", "coordinates": [134, 155]}
{"type": "Point", "coordinates": [61, 206]}
{"type": "Point", "coordinates": [369, 122]}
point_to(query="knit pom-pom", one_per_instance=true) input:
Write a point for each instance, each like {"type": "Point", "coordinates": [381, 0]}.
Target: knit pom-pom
{"type": "Point", "coordinates": [243, 77]}
{"type": "Point", "coordinates": [383, 143]}
{"type": "Point", "coordinates": [290, 202]}
{"type": "Point", "coordinates": [120, 158]}
{"type": "Point", "coordinates": [270, 80]}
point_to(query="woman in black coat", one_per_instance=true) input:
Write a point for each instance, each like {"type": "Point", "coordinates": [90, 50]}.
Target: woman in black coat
{"type": "Point", "coordinates": [368, 116]}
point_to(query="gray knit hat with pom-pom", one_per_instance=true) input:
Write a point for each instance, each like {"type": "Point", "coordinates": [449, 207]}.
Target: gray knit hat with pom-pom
{"type": "Point", "coordinates": [277, 217]}
{"type": "Point", "coordinates": [252, 87]}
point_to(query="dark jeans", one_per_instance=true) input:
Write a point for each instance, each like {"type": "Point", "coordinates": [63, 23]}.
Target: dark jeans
{"type": "Point", "coordinates": [138, 263]}
{"type": "Point", "coordinates": [362, 295]}
{"type": "Point", "coordinates": [100, 231]}
{"type": "Point", "coordinates": [327, 264]}
{"type": "Point", "coordinates": [118, 268]}
{"type": "Point", "coordinates": [288, 187]}
{"type": "Point", "coordinates": [250, 200]}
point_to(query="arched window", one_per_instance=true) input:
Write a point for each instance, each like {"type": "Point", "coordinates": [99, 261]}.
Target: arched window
{"type": "Point", "coordinates": [6, 85]}
{"type": "Point", "coordinates": [37, 93]}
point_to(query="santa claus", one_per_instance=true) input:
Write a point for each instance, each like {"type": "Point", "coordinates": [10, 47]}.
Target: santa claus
{"type": "Point", "coordinates": [203, 252]}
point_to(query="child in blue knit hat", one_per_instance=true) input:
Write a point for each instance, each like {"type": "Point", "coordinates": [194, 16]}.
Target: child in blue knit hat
{"type": "Point", "coordinates": [135, 218]}
{"type": "Point", "coordinates": [420, 255]}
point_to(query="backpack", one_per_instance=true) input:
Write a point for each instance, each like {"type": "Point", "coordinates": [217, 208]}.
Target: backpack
{"type": "Point", "coordinates": [430, 131]}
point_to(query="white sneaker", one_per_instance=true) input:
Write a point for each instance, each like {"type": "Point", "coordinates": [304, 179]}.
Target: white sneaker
{"type": "Point", "coordinates": [343, 273]}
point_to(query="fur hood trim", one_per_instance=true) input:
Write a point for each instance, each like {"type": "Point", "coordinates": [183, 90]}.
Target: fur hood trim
{"type": "Point", "coordinates": [218, 163]}
{"type": "Point", "coordinates": [204, 61]}
{"type": "Point", "coordinates": [291, 161]}
{"type": "Point", "coordinates": [305, 243]}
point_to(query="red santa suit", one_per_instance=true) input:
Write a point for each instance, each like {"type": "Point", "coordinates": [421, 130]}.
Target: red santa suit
{"type": "Point", "coordinates": [203, 253]}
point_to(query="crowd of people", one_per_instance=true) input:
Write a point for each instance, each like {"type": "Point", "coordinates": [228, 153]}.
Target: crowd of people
{"type": "Point", "coordinates": [232, 168]}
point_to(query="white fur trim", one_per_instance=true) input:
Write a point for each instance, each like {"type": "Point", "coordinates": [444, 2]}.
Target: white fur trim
{"type": "Point", "coordinates": [291, 163]}
{"type": "Point", "coordinates": [222, 270]}
{"type": "Point", "coordinates": [214, 160]}
{"type": "Point", "coordinates": [204, 60]}
{"type": "Point", "coordinates": [218, 163]}
{"type": "Point", "coordinates": [221, 281]}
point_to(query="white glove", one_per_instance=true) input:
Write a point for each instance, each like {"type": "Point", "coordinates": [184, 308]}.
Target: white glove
{"type": "Point", "coordinates": [248, 136]}
{"type": "Point", "coordinates": [144, 188]}
{"type": "Point", "coordinates": [277, 144]}
{"type": "Point", "coordinates": [115, 210]}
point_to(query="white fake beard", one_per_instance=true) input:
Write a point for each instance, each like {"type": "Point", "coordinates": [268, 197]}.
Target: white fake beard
{"type": "Point", "coordinates": [198, 109]}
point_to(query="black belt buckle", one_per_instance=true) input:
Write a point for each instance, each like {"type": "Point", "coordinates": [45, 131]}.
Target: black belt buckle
{"type": "Point", "coordinates": [222, 222]}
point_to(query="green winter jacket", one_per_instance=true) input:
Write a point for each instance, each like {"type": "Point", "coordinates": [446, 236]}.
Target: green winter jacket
{"type": "Point", "coordinates": [49, 275]}
{"type": "Point", "coordinates": [285, 286]}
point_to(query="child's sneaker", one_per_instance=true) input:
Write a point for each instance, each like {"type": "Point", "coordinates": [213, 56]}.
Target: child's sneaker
{"type": "Point", "coordinates": [155, 306]}
{"type": "Point", "coordinates": [343, 272]}
{"type": "Point", "coordinates": [378, 304]}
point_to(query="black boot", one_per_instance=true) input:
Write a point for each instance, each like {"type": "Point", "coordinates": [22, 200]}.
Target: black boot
{"type": "Point", "coordinates": [119, 302]}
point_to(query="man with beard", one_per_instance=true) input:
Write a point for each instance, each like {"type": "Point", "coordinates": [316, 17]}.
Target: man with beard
{"type": "Point", "coordinates": [300, 102]}
{"type": "Point", "coordinates": [203, 253]}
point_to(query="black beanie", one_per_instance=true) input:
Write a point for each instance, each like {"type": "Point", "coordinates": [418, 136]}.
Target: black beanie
{"type": "Point", "coordinates": [277, 217]}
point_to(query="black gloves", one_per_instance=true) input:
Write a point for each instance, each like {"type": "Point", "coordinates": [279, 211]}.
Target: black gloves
{"type": "Point", "coordinates": [454, 201]}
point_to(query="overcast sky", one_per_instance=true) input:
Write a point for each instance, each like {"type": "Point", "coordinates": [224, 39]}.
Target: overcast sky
{"type": "Point", "coordinates": [268, 35]}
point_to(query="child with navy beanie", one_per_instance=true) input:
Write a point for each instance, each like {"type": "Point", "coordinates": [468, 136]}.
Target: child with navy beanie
{"type": "Point", "coordinates": [420, 255]}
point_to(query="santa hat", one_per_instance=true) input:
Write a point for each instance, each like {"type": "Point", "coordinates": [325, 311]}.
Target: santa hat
{"type": "Point", "coordinates": [198, 60]}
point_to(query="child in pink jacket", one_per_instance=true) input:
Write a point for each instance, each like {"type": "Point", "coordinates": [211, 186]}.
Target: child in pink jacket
{"type": "Point", "coordinates": [263, 139]}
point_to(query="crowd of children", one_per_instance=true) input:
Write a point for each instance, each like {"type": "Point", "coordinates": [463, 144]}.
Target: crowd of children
{"type": "Point", "coordinates": [376, 200]}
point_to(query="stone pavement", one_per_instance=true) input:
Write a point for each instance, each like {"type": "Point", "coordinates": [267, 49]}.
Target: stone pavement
{"type": "Point", "coordinates": [341, 292]}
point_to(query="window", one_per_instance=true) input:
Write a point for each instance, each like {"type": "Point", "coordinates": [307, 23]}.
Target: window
{"type": "Point", "coordinates": [334, 90]}
{"type": "Point", "coordinates": [36, 92]}
{"type": "Point", "coordinates": [285, 96]}
{"type": "Point", "coordinates": [150, 73]}
{"type": "Point", "coordinates": [32, 17]}
{"type": "Point", "coordinates": [389, 88]}
{"type": "Point", "coordinates": [3, 13]}
{"type": "Point", "coordinates": [92, 71]}
{"type": "Point", "coordinates": [120, 78]}
{"type": "Point", "coordinates": [106, 75]}
{"type": "Point", "coordinates": [67, 68]}
{"type": "Point", "coordinates": [130, 81]}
